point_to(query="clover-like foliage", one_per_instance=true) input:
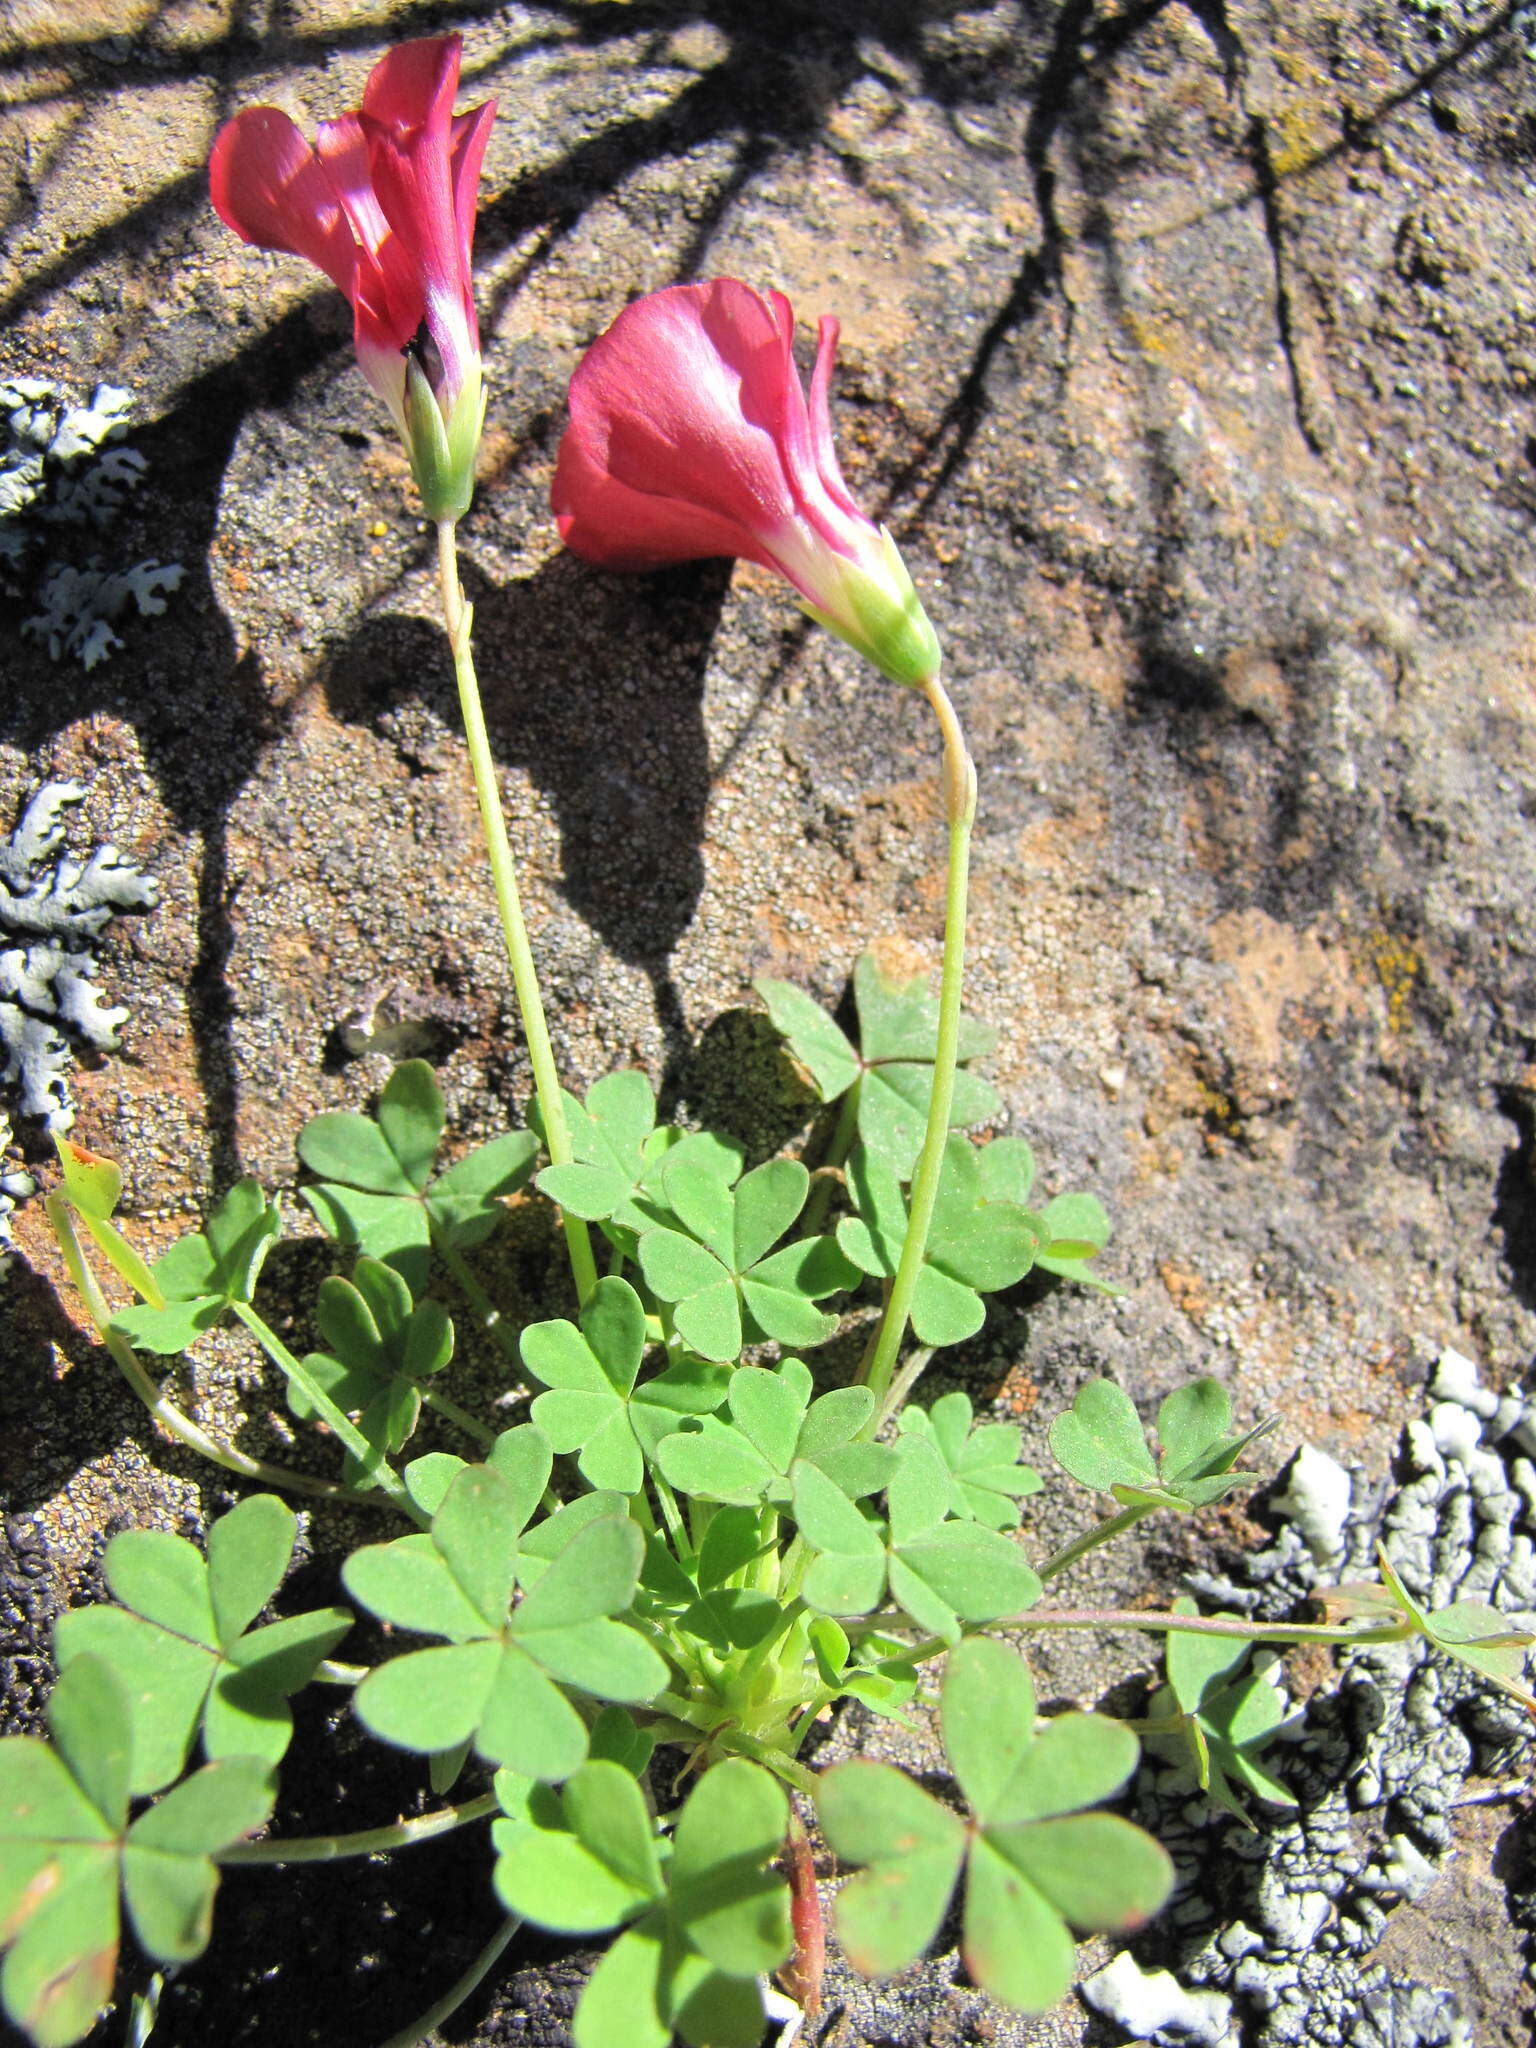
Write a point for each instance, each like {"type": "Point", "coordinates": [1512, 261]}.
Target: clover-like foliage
{"type": "Point", "coordinates": [891, 1068]}
{"type": "Point", "coordinates": [719, 1268]}
{"type": "Point", "coordinates": [597, 1407]}
{"type": "Point", "coordinates": [983, 1459]}
{"type": "Point", "coordinates": [198, 1278]}
{"type": "Point", "coordinates": [1225, 1709]}
{"type": "Point", "coordinates": [705, 1916]}
{"type": "Point", "coordinates": [178, 1637]}
{"type": "Point", "coordinates": [774, 1424]}
{"type": "Point", "coordinates": [376, 1188]}
{"type": "Point", "coordinates": [980, 1240]}
{"type": "Point", "coordinates": [69, 1852]}
{"type": "Point", "coordinates": [1100, 1441]}
{"type": "Point", "coordinates": [1470, 1632]}
{"type": "Point", "coordinates": [383, 1348]}
{"type": "Point", "coordinates": [1036, 1863]}
{"type": "Point", "coordinates": [940, 1571]}
{"type": "Point", "coordinates": [523, 1618]}
{"type": "Point", "coordinates": [617, 1152]}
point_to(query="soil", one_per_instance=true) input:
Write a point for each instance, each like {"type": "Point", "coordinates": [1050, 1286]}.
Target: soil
{"type": "Point", "coordinates": [1187, 351]}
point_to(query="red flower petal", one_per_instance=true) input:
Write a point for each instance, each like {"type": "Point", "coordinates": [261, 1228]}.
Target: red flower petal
{"type": "Point", "coordinates": [471, 132]}
{"type": "Point", "coordinates": [412, 86]}
{"type": "Point", "coordinates": [683, 398]}
{"type": "Point", "coordinates": [269, 186]}
{"type": "Point", "coordinates": [615, 527]}
{"type": "Point", "coordinates": [827, 331]}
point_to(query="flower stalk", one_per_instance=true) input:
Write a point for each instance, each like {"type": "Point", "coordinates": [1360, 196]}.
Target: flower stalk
{"type": "Point", "coordinates": [960, 808]}
{"type": "Point", "coordinates": [458, 618]}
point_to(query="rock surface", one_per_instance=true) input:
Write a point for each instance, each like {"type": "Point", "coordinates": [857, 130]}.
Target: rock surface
{"type": "Point", "coordinates": [1187, 350]}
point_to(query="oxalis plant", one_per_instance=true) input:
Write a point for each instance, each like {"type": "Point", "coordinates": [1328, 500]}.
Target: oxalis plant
{"type": "Point", "coordinates": [611, 1630]}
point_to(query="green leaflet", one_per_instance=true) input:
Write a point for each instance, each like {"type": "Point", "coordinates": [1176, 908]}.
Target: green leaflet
{"type": "Point", "coordinates": [68, 1852]}
{"type": "Point", "coordinates": [376, 1189]}
{"type": "Point", "coordinates": [1035, 1863]}
{"type": "Point", "coordinates": [178, 1638]}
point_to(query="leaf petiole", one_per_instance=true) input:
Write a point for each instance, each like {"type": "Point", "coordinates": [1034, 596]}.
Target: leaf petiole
{"type": "Point", "coordinates": [1090, 1539]}
{"type": "Point", "coordinates": [171, 1419]}
{"type": "Point", "coordinates": [341, 1426]}
{"type": "Point", "coordinates": [400, 1834]}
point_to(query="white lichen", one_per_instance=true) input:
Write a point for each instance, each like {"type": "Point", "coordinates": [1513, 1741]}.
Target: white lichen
{"type": "Point", "coordinates": [60, 466]}
{"type": "Point", "coordinates": [53, 912]}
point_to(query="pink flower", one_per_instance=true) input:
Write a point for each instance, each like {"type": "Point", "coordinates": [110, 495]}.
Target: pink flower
{"type": "Point", "coordinates": [384, 204]}
{"type": "Point", "coordinates": [691, 435]}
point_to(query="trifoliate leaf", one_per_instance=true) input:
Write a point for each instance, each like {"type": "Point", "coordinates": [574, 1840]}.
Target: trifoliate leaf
{"type": "Point", "coordinates": [617, 1151]}
{"type": "Point", "coordinates": [1227, 1713]}
{"type": "Point", "coordinates": [198, 1278]}
{"type": "Point", "coordinates": [773, 1421]}
{"type": "Point", "coordinates": [719, 1269]}
{"type": "Point", "coordinates": [67, 1849]}
{"type": "Point", "coordinates": [983, 1459]}
{"type": "Point", "coordinates": [499, 1681]}
{"type": "Point", "coordinates": [892, 1067]}
{"type": "Point", "coordinates": [376, 1189]}
{"type": "Point", "coordinates": [975, 1246]}
{"type": "Point", "coordinates": [594, 1407]}
{"type": "Point", "coordinates": [1100, 1442]}
{"type": "Point", "coordinates": [383, 1347]}
{"type": "Point", "coordinates": [178, 1638]}
{"type": "Point", "coordinates": [941, 1572]}
{"type": "Point", "coordinates": [1035, 1864]}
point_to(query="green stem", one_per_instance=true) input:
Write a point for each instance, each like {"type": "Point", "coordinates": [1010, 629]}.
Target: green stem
{"type": "Point", "coordinates": [461, 1418]}
{"type": "Point", "coordinates": [911, 1371]}
{"type": "Point", "coordinates": [459, 1989]}
{"type": "Point", "coordinates": [492, 1321]}
{"type": "Point", "coordinates": [341, 1426]}
{"type": "Point", "coordinates": [839, 1145]}
{"type": "Point", "coordinates": [1102, 1532]}
{"type": "Point", "coordinates": [171, 1418]}
{"type": "Point", "coordinates": [400, 1834]}
{"type": "Point", "coordinates": [960, 806]}
{"type": "Point", "coordinates": [1157, 1623]}
{"type": "Point", "coordinates": [671, 1514]}
{"type": "Point", "coordinates": [458, 617]}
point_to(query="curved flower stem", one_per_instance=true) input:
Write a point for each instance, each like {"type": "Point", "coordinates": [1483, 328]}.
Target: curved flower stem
{"type": "Point", "coordinates": [459, 1989]}
{"type": "Point", "coordinates": [170, 1418]}
{"type": "Point", "coordinates": [341, 1426]}
{"type": "Point", "coordinates": [400, 1834]}
{"type": "Point", "coordinates": [458, 618]}
{"type": "Point", "coordinates": [960, 806]}
{"type": "Point", "coordinates": [1101, 1532]}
